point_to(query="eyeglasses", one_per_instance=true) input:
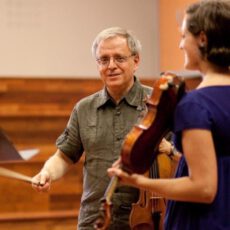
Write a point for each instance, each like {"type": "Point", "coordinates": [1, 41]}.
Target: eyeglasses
{"type": "Point", "coordinates": [104, 61]}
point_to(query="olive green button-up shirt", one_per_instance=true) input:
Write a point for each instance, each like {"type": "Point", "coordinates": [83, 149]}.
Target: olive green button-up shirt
{"type": "Point", "coordinates": [97, 127]}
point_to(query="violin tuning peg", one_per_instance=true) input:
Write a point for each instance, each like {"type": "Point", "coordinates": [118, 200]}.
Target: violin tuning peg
{"type": "Point", "coordinates": [164, 86]}
{"type": "Point", "coordinates": [169, 78]}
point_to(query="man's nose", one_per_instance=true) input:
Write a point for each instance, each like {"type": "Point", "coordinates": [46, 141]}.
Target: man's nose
{"type": "Point", "coordinates": [112, 63]}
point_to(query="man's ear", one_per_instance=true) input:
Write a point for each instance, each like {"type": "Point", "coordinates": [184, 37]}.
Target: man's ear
{"type": "Point", "coordinates": [136, 61]}
{"type": "Point", "coordinates": [137, 58]}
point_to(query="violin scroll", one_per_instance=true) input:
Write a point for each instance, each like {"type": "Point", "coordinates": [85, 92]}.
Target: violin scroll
{"type": "Point", "coordinates": [104, 218]}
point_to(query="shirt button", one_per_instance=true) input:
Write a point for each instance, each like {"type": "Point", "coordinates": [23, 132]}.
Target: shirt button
{"type": "Point", "coordinates": [118, 113]}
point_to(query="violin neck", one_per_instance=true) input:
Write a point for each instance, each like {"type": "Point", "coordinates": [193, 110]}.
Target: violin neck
{"type": "Point", "coordinates": [111, 188]}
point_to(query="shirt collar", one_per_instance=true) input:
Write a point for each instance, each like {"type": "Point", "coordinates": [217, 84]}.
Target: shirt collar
{"type": "Point", "coordinates": [133, 97]}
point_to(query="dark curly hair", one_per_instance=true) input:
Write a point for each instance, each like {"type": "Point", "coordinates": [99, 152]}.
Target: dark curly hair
{"type": "Point", "coordinates": [213, 18]}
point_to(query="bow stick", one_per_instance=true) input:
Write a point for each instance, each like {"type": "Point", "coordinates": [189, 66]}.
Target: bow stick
{"type": "Point", "coordinates": [9, 173]}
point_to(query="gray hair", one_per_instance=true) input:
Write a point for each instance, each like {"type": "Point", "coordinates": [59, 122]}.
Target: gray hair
{"type": "Point", "coordinates": [133, 43]}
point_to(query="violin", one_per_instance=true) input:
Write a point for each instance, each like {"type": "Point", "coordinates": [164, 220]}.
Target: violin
{"type": "Point", "coordinates": [141, 217]}
{"type": "Point", "coordinates": [148, 212]}
{"type": "Point", "coordinates": [140, 146]}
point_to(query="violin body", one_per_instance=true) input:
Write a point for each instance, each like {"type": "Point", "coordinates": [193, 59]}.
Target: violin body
{"type": "Point", "coordinates": [148, 213]}
{"type": "Point", "coordinates": [141, 214]}
{"type": "Point", "coordinates": [140, 146]}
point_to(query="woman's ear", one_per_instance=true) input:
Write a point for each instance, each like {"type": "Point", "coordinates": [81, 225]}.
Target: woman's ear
{"type": "Point", "coordinates": [202, 40]}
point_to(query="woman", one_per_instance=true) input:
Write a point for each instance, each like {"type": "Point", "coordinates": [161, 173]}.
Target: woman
{"type": "Point", "coordinates": [199, 196]}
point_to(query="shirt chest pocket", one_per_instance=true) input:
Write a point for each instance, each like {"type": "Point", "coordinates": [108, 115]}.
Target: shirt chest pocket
{"type": "Point", "coordinates": [88, 136]}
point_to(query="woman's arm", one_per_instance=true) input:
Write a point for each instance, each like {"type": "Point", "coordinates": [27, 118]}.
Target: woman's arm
{"type": "Point", "coordinates": [199, 186]}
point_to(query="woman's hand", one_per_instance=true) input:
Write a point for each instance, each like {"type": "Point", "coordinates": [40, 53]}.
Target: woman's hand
{"type": "Point", "coordinates": [131, 179]}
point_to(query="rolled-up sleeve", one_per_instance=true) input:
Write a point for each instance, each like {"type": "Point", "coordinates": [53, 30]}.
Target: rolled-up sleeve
{"type": "Point", "coordinates": [69, 142]}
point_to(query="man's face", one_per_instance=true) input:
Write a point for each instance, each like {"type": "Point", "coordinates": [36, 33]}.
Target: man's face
{"type": "Point", "coordinates": [116, 64]}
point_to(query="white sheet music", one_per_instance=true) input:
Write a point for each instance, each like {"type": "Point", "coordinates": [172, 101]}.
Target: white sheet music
{"type": "Point", "coordinates": [27, 154]}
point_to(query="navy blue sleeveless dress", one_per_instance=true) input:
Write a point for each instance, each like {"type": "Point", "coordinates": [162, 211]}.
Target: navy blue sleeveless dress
{"type": "Point", "coordinates": [205, 108]}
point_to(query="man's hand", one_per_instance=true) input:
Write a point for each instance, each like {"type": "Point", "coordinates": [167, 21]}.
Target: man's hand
{"type": "Point", "coordinates": [41, 182]}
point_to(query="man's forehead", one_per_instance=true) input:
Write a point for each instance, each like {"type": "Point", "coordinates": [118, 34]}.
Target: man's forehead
{"type": "Point", "coordinates": [111, 44]}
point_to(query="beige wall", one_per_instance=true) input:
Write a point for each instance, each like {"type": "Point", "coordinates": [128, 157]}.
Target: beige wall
{"type": "Point", "coordinates": [53, 37]}
{"type": "Point", "coordinates": [171, 12]}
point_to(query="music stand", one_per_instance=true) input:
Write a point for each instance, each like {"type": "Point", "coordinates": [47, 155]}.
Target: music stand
{"type": "Point", "coordinates": [7, 150]}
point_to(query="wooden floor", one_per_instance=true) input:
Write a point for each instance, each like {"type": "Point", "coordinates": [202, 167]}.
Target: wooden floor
{"type": "Point", "coordinates": [62, 220]}
{"type": "Point", "coordinates": [33, 113]}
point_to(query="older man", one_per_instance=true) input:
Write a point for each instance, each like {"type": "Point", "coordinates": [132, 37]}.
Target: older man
{"type": "Point", "coordinates": [98, 125]}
